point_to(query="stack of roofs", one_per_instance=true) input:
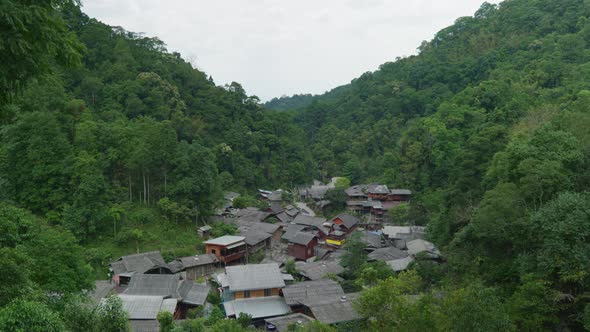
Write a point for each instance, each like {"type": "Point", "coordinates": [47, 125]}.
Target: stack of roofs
{"type": "Point", "coordinates": [375, 199]}
{"type": "Point", "coordinates": [168, 286]}
{"type": "Point", "coordinates": [288, 214]}
{"type": "Point", "coordinates": [323, 299]}
{"type": "Point", "coordinates": [150, 262]}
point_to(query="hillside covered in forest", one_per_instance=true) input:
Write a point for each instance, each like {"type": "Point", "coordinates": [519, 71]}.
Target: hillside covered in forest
{"type": "Point", "coordinates": [109, 142]}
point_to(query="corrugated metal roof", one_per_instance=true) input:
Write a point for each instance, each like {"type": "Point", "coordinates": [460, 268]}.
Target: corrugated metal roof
{"type": "Point", "coordinates": [139, 263]}
{"type": "Point", "coordinates": [387, 254]}
{"type": "Point", "coordinates": [417, 246]}
{"type": "Point", "coordinates": [146, 307]}
{"type": "Point", "coordinates": [257, 307]}
{"type": "Point", "coordinates": [309, 220]}
{"type": "Point", "coordinates": [197, 260]}
{"type": "Point", "coordinates": [302, 292]}
{"type": "Point", "coordinates": [225, 240]}
{"type": "Point", "coordinates": [335, 309]}
{"type": "Point", "coordinates": [154, 284]}
{"type": "Point", "coordinates": [400, 264]}
{"type": "Point", "coordinates": [302, 238]}
{"type": "Point", "coordinates": [254, 276]}
{"type": "Point", "coordinates": [193, 293]}
{"type": "Point", "coordinates": [318, 270]}
{"type": "Point", "coordinates": [400, 192]}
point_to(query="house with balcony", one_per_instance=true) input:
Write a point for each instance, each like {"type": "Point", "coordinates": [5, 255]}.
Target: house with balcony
{"type": "Point", "coordinates": [227, 249]}
{"type": "Point", "coordinates": [253, 289]}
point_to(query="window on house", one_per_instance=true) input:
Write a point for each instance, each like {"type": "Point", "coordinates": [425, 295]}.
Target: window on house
{"type": "Point", "coordinates": [246, 294]}
{"type": "Point", "coordinates": [213, 251]}
{"type": "Point", "coordinates": [267, 292]}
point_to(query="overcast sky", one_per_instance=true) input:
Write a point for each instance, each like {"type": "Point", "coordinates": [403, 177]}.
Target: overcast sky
{"type": "Point", "coordinates": [283, 47]}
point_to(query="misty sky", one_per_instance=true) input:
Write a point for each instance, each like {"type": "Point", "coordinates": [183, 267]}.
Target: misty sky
{"type": "Point", "coordinates": [283, 47]}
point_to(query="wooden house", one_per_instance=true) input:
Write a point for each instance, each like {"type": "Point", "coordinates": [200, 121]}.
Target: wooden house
{"type": "Point", "coordinates": [150, 262]}
{"type": "Point", "coordinates": [301, 246]}
{"type": "Point", "coordinates": [227, 249]}
{"type": "Point", "coordinates": [346, 222]}
{"type": "Point", "coordinates": [195, 266]}
{"type": "Point", "coordinates": [253, 289]}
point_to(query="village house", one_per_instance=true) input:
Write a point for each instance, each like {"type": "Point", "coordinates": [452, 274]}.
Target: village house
{"type": "Point", "coordinates": [150, 262]}
{"type": "Point", "coordinates": [253, 289]}
{"type": "Point", "coordinates": [187, 293]}
{"type": "Point", "coordinates": [375, 200]}
{"type": "Point", "coordinates": [314, 224]}
{"type": "Point", "coordinates": [194, 267]}
{"type": "Point", "coordinates": [227, 249]}
{"type": "Point", "coordinates": [323, 299]}
{"type": "Point", "coordinates": [301, 246]}
{"type": "Point", "coordinates": [346, 222]}
{"type": "Point", "coordinates": [143, 310]}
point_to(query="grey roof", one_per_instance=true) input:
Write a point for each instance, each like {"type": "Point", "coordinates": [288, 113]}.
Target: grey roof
{"type": "Point", "coordinates": [292, 211]}
{"type": "Point", "coordinates": [377, 189]}
{"type": "Point", "coordinates": [318, 270]}
{"type": "Point", "coordinates": [282, 323]}
{"type": "Point", "coordinates": [257, 307]}
{"type": "Point", "coordinates": [400, 192]}
{"type": "Point", "coordinates": [306, 291]}
{"type": "Point", "coordinates": [400, 264]}
{"type": "Point", "coordinates": [284, 217]}
{"type": "Point", "coordinates": [259, 226]}
{"type": "Point", "coordinates": [309, 221]}
{"type": "Point", "coordinates": [275, 206]}
{"type": "Point", "coordinates": [335, 309]}
{"type": "Point", "coordinates": [303, 238]}
{"type": "Point", "coordinates": [356, 191]}
{"type": "Point", "coordinates": [102, 288]}
{"type": "Point", "coordinates": [397, 232]}
{"type": "Point", "coordinates": [193, 293]}
{"type": "Point", "coordinates": [372, 240]}
{"type": "Point", "coordinates": [225, 240]}
{"type": "Point", "coordinates": [154, 284]}
{"type": "Point", "coordinates": [292, 230]}
{"type": "Point", "coordinates": [175, 266]}
{"type": "Point", "coordinates": [146, 307]}
{"type": "Point", "coordinates": [348, 220]}
{"type": "Point", "coordinates": [145, 325]}
{"type": "Point", "coordinates": [387, 254]}
{"type": "Point", "coordinates": [205, 228]}
{"type": "Point", "coordinates": [197, 260]}
{"type": "Point", "coordinates": [417, 246]}
{"type": "Point", "coordinates": [139, 263]}
{"type": "Point", "coordinates": [254, 276]}
{"type": "Point", "coordinates": [254, 237]}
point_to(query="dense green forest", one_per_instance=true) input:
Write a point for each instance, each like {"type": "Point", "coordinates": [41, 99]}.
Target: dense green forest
{"type": "Point", "coordinates": [106, 137]}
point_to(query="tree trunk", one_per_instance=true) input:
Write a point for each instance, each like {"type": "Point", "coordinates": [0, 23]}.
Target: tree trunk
{"type": "Point", "coordinates": [144, 188]}
{"type": "Point", "coordinates": [165, 182]}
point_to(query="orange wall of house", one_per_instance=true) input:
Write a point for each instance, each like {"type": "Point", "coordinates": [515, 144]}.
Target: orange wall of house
{"type": "Point", "coordinates": [209, 249]}
{"type": "Point", "coordinates": [257, 293]}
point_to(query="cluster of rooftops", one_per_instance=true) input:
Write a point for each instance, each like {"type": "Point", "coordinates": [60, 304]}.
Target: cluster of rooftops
{"type": "Point", "coordinates": [148, 284]}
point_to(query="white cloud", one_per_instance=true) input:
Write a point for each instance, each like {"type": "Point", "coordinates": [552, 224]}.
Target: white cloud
{"type": "Point", "coordinates": [276, 47]}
